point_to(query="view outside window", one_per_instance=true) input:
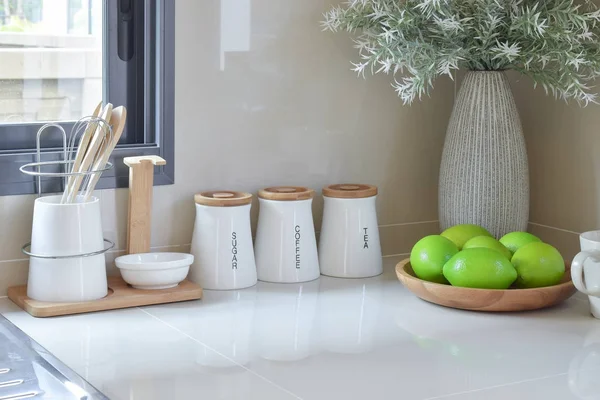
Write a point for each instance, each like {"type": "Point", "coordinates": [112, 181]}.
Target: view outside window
{"type": "Point", "coordinates": [50, 59]}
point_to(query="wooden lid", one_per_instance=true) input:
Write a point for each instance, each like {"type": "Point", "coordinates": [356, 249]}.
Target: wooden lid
{"type": "Point", "coordinates": [286, 193]}
{"type": "Point", "coordinates": [350, 191]}
{"type": "Point", "coordinates": [223, 198]}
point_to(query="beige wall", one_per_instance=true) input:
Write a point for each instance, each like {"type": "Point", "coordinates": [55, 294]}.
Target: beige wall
{"type": "Point", "coordinates": [563, 144]}
{"type": "Point", "coordinates": [279, 106]}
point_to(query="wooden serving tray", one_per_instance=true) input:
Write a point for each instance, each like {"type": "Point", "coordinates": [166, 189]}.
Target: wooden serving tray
{"type": "Point", "coordinates": [120, 295]}
{"type": "Point", "coordinates": [485, 299]}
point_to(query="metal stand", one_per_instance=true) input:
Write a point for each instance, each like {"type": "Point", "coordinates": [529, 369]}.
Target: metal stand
{"type": "Point", "coordinates": [35, 169]}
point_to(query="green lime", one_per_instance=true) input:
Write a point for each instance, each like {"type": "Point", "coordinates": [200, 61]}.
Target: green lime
{"type": "Point", "coordinates": [515, 240]}
{"type": "Point", "coordinates": [429, 255]}
{"type": "Point", "coordinates": [480, 268]}
{"type": "Point", "coordinates": [538, 264]}
{"type": "Point", "coordinates": [460, 234]}
{"type": "Point", "coordinates": [488, 242]}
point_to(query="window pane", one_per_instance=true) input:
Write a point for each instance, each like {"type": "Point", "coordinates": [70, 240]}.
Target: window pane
{"type": "Point", "coordinates": [51, 59]}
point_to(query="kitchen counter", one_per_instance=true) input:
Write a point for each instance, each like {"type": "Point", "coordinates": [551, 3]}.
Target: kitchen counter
{"type": "Point", "coordinates": [327, 339]}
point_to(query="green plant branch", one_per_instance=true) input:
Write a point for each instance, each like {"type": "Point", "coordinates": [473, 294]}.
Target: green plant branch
{"type": "Point", "coordinates": [555, 42]}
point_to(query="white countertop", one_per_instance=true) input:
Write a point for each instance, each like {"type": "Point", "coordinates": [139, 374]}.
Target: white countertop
{"type": "Point", "coordinates": [328, 339]}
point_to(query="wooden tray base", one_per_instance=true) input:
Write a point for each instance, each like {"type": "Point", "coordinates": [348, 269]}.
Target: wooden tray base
{"type": "Point", "coordinates": [120, 295]}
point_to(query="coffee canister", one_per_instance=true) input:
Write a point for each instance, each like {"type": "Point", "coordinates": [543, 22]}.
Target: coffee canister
{"type": "Point", "coordinates": [349, 245]}
{"type": "Point", "coordinates": [222, 241]}
{"type": "Point", "coordinates": [286, 248]}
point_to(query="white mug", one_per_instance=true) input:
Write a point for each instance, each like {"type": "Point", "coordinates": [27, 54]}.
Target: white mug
{"type": "Point", "coordinates": [222, 241]}
{"type": "Point", "coordinates": [585, 269]}
{"type": "Point", "coordinates": [349, 245]}
{"type": "Point", "coordinates": [65, 230]}
{"type": "Point", "coordinates": [286, 247]}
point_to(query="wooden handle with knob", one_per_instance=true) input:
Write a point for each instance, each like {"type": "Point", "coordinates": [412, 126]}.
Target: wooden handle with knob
{"type": "Point", "coordinates": [141, 180]}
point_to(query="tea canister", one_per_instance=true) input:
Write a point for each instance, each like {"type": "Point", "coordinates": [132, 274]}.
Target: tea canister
{"type": "Point", "coordinates": [286, 247]}
{"type": "Point", "coordinates": [222, 241]}
{"type": "Point", "coordinates": [349, 245]}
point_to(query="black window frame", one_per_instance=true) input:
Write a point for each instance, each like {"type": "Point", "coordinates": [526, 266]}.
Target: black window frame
{"type": "Point", "coordinates": [148, 94]}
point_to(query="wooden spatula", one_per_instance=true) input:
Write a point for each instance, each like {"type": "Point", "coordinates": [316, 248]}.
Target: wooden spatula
{"type": "Point", "coordinates": [117, 122]}
{"type": "Point", "coordinates": [91, 153]}
{"type": "Point", "coordinates": [81, 149]}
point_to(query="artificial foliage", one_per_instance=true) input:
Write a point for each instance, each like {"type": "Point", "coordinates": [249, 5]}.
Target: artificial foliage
{"type": "Point", "coordinates": [555, 42]}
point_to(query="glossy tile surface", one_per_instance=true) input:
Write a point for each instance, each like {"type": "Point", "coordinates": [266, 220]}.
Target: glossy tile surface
{"type": "Point", "coordinates": [327, 339]}
{"type": "Point", "coordinates": [130, 355]}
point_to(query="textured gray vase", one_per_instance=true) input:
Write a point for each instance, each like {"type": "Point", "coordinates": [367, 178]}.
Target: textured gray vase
{"type": "Point", "coordinates": [484, 178]}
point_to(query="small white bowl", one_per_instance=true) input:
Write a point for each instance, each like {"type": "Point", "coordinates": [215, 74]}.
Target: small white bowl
{"type": "Point", "coordinates": [154, 270]}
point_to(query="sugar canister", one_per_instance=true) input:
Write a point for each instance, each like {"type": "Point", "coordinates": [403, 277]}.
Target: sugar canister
{"type": "Point", "coordinates": [222, 241]}
{"type": "Point", "coordinates": [286, 248]}
{"type": "Point", "coordinates": [349, 245]}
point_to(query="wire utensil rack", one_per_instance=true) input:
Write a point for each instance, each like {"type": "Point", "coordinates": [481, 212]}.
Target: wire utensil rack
{"type": "Point", "coordinates": [70, 146]}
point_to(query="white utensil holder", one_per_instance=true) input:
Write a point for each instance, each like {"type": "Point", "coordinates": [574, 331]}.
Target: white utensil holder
{"type": "Point", "coordinates": [222, 241]}
{"type": "Point", "coordinates": [286, 248]}
{"type": "Point", "coordinates": [349, 245]}
{"type": "Point", "coordinates": [67, 261]}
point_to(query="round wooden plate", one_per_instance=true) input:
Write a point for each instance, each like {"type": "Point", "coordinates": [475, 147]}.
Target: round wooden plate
{"type": "Point", "coordinates": [485, 299]}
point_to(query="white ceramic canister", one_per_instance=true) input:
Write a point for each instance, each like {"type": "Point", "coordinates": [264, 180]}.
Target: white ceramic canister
{"type": "Point", "coordinates": [349, 245]}
{"type": "Point", "coordinates": [66, 230]}
{"type": "Point", "coordinates": [286, 248]}
{"type": "Point", "coordinates": [222, 241]}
